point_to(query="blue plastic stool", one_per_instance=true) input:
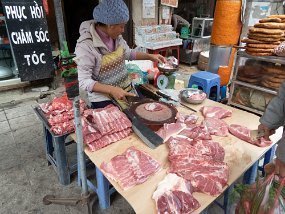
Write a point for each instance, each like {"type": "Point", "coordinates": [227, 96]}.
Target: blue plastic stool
{"type": "Point", "coordinates": [206, 81]}
{"type": "Point", "coordinates": [223, 90]}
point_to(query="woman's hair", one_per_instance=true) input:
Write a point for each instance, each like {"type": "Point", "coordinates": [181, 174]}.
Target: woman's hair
{"type": "Point", "coordinates": [100, 24]}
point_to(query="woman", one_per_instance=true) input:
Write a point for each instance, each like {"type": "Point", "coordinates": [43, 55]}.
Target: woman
{"type": "Point", "coordinates": [272, 119]}
{"type": "Point", "coordinates": [101, 53]}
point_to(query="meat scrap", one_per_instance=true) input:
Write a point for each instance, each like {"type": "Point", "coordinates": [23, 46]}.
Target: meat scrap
{"type": "Point", "coordinates": [153, 107]}
{"type": "Point", "coordinates": [197, 132]}
{"type": "Point", "coordinates": [214, 111]}
{"type": "Point", "coordinates": [243, 133]}
{"type": "Point", "coordinates": [200, 162]}
{"type": "Point", "coordinates": [169, 130]}
{"type": "Point", "coordinates": [216, 126]}
{"type": "Point", "coordinates": [131, 168]}
{"type": "Point", "coordinates": [174, 195]}
{"type": "Point", "coordinates": [187, 119]}
{"type": "Point", "coordinates": [59, 114]}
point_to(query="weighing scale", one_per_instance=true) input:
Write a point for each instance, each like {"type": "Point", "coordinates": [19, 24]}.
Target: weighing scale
{"type": "Point", "coordinates": [165, 78]}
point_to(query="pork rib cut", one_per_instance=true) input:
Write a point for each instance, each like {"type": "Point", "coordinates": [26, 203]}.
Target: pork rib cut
{"type": "Point", "coordinates": [215, 111]}
{"type": "Point", "coordinates": [131, 168]}
{"type": "Point", "coordinates": [243, 133]}
{"type": "Point", "coordinates": [174, 195]}
{"type": "Point", "coordinates": [170, 129]}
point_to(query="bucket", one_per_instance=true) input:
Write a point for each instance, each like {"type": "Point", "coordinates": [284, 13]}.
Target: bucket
{"type": "Point", "coordinates": [218, 56]}
{"type": "Point", "coordinates": [71, 86]}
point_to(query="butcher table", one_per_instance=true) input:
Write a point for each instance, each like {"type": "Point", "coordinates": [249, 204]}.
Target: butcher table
{"type": "Point", "coordinates": [140, 196]}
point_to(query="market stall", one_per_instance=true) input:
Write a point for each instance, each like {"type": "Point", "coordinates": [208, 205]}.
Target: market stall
{"type": "Point", "coordinates": [140, 196]}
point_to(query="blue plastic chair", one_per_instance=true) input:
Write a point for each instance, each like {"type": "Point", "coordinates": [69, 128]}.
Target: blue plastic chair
{"type": "Point", "coordinates": [206, 81]}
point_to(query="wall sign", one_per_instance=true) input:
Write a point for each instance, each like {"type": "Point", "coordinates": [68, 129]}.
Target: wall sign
{"type": "Point", "coordinates": [170, 3]}
{"type": "Point", "coordinates": [27, 28]}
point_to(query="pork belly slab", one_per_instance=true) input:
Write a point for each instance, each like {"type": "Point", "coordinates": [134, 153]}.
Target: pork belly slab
{"type": "Point", "coordinates": [131, 168]}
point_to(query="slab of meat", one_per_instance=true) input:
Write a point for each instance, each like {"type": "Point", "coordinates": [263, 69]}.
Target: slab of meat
{"type": "Point", "coordinates": [153, 107]}
{"type": "Point", "coordinates": [200, 162]}
{"type": "Point", "coordinates": [103, 141]}
{"type": "Point", "coordinates": [104, 126]}
{"type": "Point", "coordinates": [174, 195]}
{"type": "Point", "coordinates": [187, 119]}
{"type": "Point", "coordinates": [131, 168]}
{"type": "Point", "coordinates": [181, 145]}
{"type": "Point", "coordinates": [216, 126]}
{"type": "Point", "coordinates": [169, 130]}
{"type": "Point", "coordinates": [197, 132]}
{"type": "Point", "coordinates": [204, 173]}
{"type": "Point", "coordinates": [217, 112]}
{"type": "Point", "coordinates": [243, 133]}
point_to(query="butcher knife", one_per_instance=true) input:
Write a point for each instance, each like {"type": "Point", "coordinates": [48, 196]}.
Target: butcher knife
{"type": "Point", "coordinates": [170, 98]}
{"type": "Point", "coordinates": [256, 134]}
{"type": "Point", "coordinates": [148, 136]}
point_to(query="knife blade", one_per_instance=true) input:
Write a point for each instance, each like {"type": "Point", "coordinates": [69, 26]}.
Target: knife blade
{"type": "Point", "coordinates": [256, 134]}
{"type": "Point", "coordinates": [170, 98]}
{"type": "Point", "coordinates": [148, 136]}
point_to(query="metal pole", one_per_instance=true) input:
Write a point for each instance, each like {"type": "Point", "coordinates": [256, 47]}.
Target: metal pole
{"type": "Point", "coordinates": [79, 140]}
{"type": "Point", "coordinates": [59, 22]}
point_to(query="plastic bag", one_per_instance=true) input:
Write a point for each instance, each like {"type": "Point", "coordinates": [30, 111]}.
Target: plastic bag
{"type": "Point", "coordinates": [266, 196]}
{"type": "Point", "coordinates": [136, 75]}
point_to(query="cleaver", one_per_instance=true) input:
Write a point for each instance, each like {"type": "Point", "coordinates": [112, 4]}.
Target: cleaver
{"type": "Point", "coordinates": [256, 134]}
{"type": "Point", "coordinates": [148, 136]}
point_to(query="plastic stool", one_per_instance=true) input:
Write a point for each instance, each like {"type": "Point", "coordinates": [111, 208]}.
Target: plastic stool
{"type": "Point", "coordinates": [206, 81]}
{"type": "Point", "coordinates": [223, 90]}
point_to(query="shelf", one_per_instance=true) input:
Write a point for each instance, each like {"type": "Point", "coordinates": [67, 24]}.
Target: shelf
{"type": "Point", "coordinates": [259, 88]}
{"type": "Point", "coordinates": [245, 108]}
{"type": "Point", "coordinates": [273, 59]}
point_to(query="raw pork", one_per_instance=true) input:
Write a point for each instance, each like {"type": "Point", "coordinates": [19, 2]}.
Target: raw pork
{"type": "Point", "coordinates": [59, 114]}
{"type": "Point", "coordinates": [174, 195]}
{"type": "Point", "coordinates": [153, 107]}
{"type": "Point", "coordinates": [187, 119]}
{"type": "Point", "coordinates": [181, 145]}
{"type": "Point", "coordinates": [200, 162]}
{"type": "Point", "coordinates": [104, 126]}
{"type": "Point", "coordinates": [131, 168]}
{"type": "Point", "coordinates": [214, 111]}
{"type": "Point", "coordinates": [95, 142]}
{"type": "Point", "coordinates": [243, 133]}
{"type": "Point", "coordinates": [169, 130]}
{"type": "Point", "coordinates": [216, 126]}
{"type": "Point", "coordinates": [197, 132]}
{"type": "Point", "coordinates": [198, 96]}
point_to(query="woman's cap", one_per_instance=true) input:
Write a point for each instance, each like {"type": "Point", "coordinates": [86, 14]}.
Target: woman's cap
{"type": "Point", "coordinates": [111, 12]}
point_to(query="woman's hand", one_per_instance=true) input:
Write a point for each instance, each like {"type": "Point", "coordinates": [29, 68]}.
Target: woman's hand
{"type": "Point", "coordinates": [118, 93]}
{"type": "Point", "coordinates": [157, 58]}
{"type": "Point", "coordinates": [267, 132]}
